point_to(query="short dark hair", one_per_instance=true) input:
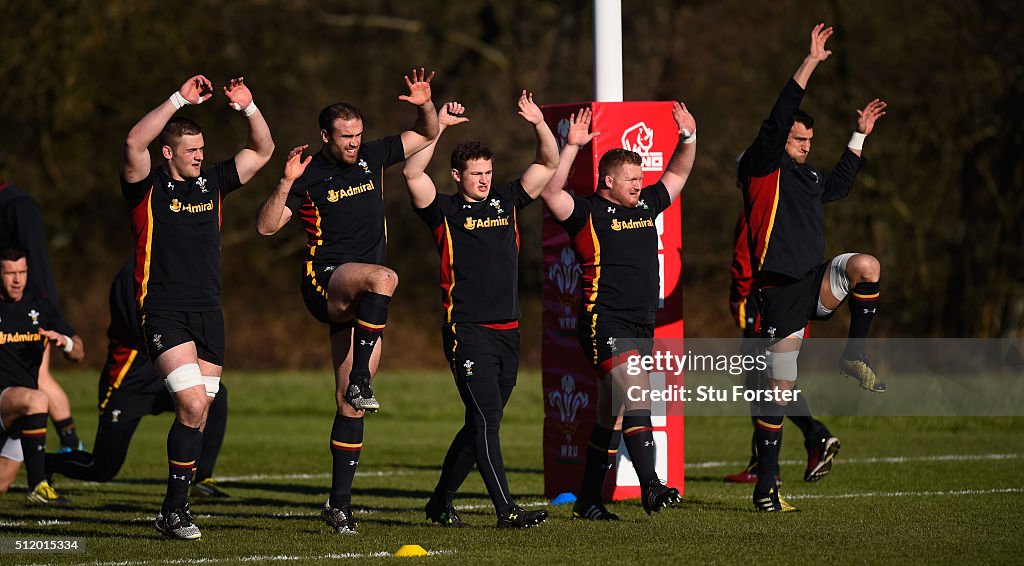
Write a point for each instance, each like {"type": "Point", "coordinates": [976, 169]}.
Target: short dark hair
{"type": "Point", "coordinates": [616, 157]}
{"type": "Point", "coordinates": [342, 110]}
{"type": "Point", "coordinates": [804, 118]}
{"type": "Point", "coordinates": [175, 129]}
{"type": "Point", "coordinates": [468, 151]}
{"type": "Point", "coordinates": [11, 254]}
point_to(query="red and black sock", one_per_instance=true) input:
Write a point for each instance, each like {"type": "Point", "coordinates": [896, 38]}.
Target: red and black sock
{"type": "Point", "coordinates": [183, 444]}
{"type": "Point", "coordinates": [346, 445]}
{"type": "Point", "coordinates": [33, 446]}
{"type": "Point", "coordinates": [638, 434]}
{"type": "Point", "coordinates": [68, 433]}
{"type": "Point", "coordinates": [863, 307]}
{"type": "Point", "coordinates": [601, 452]}
{"type": "Point", "coordinates": [371, 317]}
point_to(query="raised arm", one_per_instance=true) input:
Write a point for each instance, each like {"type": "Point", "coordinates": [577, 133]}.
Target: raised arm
{"type": "Point", "coordinates": [558, 201]}
{"type": "Point", "coordinates": [817, 54]}
{"type": "Point", "coordinates": [839, 181]}
{"type": "Point", "coordinates": [539, 172]}
{"type": "Point", "coordinates": [681, 163]}
{"type": "Point", "coordinates": [426, 128]}
{"type": "Point", "coordinates": [273, 213]}
{"type": "Point", "coordinates": [866, 119]}
{"type": "Point", "coordinates": [260, 145]}
{"type": "Point", "coordinates": [764, 154]}
{"type": "Point", "coordinates": [135, 161]}
{"type": "Point", "coordinates": [421, 188]}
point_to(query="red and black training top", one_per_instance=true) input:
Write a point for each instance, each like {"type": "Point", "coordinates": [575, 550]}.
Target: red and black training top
{"type": "Point", "coordinates": [176, 225]}
{"type": "Point", "coordinates": [479, 247]}
{"type": "Point", "coordinates": [784, 200]}
{"type": "Point", "coordinates": [617, 247]}
{"type": "Point", "coordinates": [127, 367]}
{"type": "Point", "coordinates": [342, 206]}
{"type": "Point", "coordinates": [21, 344]}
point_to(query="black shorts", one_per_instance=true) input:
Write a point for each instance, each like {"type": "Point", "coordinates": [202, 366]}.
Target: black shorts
{"type": "Point", "coordinates": [122, 406]}
{"type": "Point", "coordinates": [607, 341]}
{"type": "Point", "coordinates": [163, 330]}
{"type": "Point", "coordinates": [788, 307]}
{"type": "Point", "coordinates": [315, 278]}
{"type": "Point", "coordinates": [475, 351]}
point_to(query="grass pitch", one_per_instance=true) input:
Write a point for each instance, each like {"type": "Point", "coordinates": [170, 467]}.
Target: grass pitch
{"type": "Point", "coordinates": [903, 489]}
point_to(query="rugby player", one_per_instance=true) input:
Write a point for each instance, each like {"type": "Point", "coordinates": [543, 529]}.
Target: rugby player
{"type": "Point", "coordinates": [476, 231]}
{"type": "Point", "coordinates": [338, 194]}
{"type": "Point", "coordinates": [784, 200]}
{"type": "Point", "coordinates": [614, 235]}
{"type": "Point", "coordinates": [25, 340]}
{"type": "Point", "coordinates": [21, 226]}
{"type": "Point", "coordinates": [175, 219]}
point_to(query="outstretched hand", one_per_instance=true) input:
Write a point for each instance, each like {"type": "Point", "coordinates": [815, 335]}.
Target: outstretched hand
{"type": "Point", "coordinates": [528, 109]}
{"type": "Point", "coordinates": [685, 122]}
{"type": "Point", "coordinates": [819, 35]}
{"type": "Point", "coordinates": [419, 87]}
{"type": "Point", "coordinates": [57, 338]}
{"type": "Point", "coordinates": [238, 94]}
{"type": "Point", "coordinates": [867, 117]}
{"type": "Point", "coordinates": [579, 128]}
{"type": "Point", "coordinates": [196, 90]}
{"type": "Point", "coordinates": [452, 113]}
{"type": "Point", "coordinates": [295, 165]}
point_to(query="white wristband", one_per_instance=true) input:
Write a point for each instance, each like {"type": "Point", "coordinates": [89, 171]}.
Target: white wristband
{"type": "Point", "coordinates": [68, 344]}
{"type": "Point", "coordinates": [248, 110]}
{"type": "Point", "coordinates": [687, 136]}
{"type": "Point", "coordinates": [178, 100]}
{"type": "Point", "coordinates": [857, 141]}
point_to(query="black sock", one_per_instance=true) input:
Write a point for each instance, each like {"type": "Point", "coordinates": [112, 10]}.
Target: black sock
{"type": "Point", "coordinates": [863, 306]}
{"type": "Point", "coordinates": [33, 447]}
{"type": "Point", "coordinates": [458, 463]}
{"type": "Point", "coordinates": [601, 452]}
{"type": "Point", "coordinates": [800, 414]}
{"type": "Point", "coordinates": [213, 434]}
{"type": "Point", "coordinates": [346, 445]}
{"type": "Point", "coordinates": [752, 463]}
{"type": "Point", "coordinates": [67, 432]}
{"type": "Point", "coordinates": [183, 443]}
{"type": "Point", "coordinates": [371, 316]}
{"type": "Point", "coordinates": [768, 432]}
{"type": "Point", "coordinates": [639, 437]}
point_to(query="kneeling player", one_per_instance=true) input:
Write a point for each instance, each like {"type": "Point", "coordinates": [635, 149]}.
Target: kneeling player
{"type": "Point", "coordinates": [23, 408]}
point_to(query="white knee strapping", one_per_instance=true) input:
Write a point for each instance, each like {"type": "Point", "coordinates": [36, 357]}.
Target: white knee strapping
{"type": "Point", "coordinates": [838, 281]}
{"type": "Point", "coordinates": [212, 383]}
{"type": "Point", "coordinates": [184, 377]}
{"type": "Point", "coordinates": [12, 450]}
{"type": "Point", "coordinates": [782, 365]}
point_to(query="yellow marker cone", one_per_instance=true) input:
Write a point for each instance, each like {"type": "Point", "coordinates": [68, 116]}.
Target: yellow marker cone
{"type": "Point", "coordinates": [411, 550]}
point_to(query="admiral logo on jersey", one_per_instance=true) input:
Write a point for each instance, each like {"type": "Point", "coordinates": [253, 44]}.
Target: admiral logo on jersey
{"type": "Point", "coordinates": [632, 224]}
{"type": "Point", "coordinates": [19, 337]}
{"type": "Point", "coordinates": [473, 223]}
{"type": "Point", "coordinates": [207, 206]}
{"type": "Point", "coordinates": [336, 195]}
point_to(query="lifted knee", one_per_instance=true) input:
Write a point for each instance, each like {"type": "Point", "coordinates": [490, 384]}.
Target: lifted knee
{"type": "Point", "coordinates": [864, 267]}
{"type": "Point", "coordinates": [384, 281]}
